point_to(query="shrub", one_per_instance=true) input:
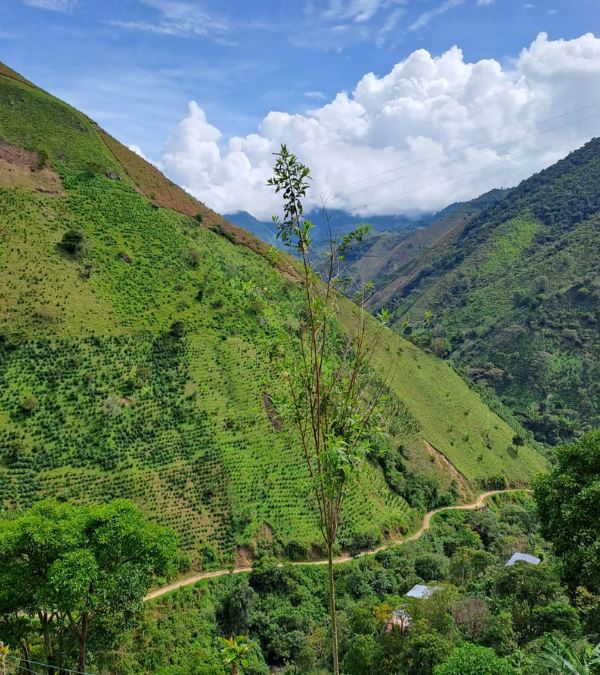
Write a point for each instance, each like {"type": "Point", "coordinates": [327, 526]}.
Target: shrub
{"type": "Point", "coordinates": [556, 616]}
{"type": "Point", "coordinates": [495, 482]}
{"type": "Point", "coordinates": [191, 257]}
{"type": "Point", "coordinates": [93, 169]}
{"type": "Point", "coordinates": [112, 406]}
{"type": "Point", "coordinates": [177, 329]}
{"type": "Point", "coordinates": [440, 347]}
{"type": "Point", "coordinates": [42, 159]}
{"type": "Point", "coordinates": [431, 566]}
{"type": "Point", "coordinates": [359, 541]}
{"type": "Point", "coordinates": [47, 313]}
{"type": "Point", "coordinates": [29, 404]}
{"type": "Point", "coordinates": [72, 242]}
{"type": "Point", "coordinates": [469, 659]}
{"type": "Point", "coordinates": [295, 550]}
{"type": "Point", "coordinates": [360, 657]}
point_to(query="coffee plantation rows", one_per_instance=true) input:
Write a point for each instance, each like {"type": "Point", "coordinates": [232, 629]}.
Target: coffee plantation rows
{"type": "Point", "coordinates": [98, 418]}
{"type": "Point", "coordinates": [142, 355]}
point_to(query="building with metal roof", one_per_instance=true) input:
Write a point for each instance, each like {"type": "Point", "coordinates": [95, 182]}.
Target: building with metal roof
{"type": "Point", "coordinates": [422, 591]}
{"type": "Point", "coordinates": [522, 557]}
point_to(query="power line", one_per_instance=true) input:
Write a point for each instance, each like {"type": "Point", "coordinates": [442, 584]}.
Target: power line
{"type": "Point", "coordinates": [463, 147]}
{"type": "Point", "coordinates": [466, 173]}
{"type": "Point", "coordinates": [48, 665]}
{"type": "Point", "coordinates": [480, 152]}
{"type": "Point", "coordinates": [28, 670]}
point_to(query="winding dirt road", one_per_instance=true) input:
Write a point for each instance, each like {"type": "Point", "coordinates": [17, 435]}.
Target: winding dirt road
{"type": "Point", "coordinates": [479, 503]}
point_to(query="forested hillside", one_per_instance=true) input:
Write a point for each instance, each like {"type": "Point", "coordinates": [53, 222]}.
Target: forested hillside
{"type": "Point", "coordinates": [140, 336]}
{"type": "Point", "coordinates": [514, 299]}
{"type": "Point", "coordinates": [390, 259]}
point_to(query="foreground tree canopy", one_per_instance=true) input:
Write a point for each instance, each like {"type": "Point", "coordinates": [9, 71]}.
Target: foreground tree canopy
{"type": "Point", "coordinates": [469, 659]}
{"type": "Point", "coordinates": [65, 569]}
{"type": "Point", "coordinates": [568, 500]}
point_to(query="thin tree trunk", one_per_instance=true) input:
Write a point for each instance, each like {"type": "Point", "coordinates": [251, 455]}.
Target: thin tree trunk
{"type": "Point", "coordinates": [83, 642]}
{"type": "Point", "coordinates": [44, 621]}
{"type": "Point", "coordinates": [332, 607]}
{"type": "Point", "coordinates": [25, 654]}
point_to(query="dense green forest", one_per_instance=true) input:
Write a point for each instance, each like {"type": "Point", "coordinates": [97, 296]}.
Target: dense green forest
{"type": "Point", "coordinates": [486, 617]}
{"type": "Point", "coordinates": [483, 616]}
{"type": "Point", "coordinates": [512, 296]}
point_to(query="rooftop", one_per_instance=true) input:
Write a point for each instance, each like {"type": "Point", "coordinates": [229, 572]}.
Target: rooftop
{"type": "Point", "coordinates": [422, 591]}
{"type": "Point", "coordinates": [523, 557]}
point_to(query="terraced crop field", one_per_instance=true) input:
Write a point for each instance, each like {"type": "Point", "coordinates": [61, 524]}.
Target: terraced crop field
{"type": "Point", "coordinates": [144, 360]}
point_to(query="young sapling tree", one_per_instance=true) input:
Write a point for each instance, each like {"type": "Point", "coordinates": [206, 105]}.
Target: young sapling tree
{"type": "Point", "coordinates": [334, 391]}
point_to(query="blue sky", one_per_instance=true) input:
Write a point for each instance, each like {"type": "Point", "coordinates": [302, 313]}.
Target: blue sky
{"type": "Point", "coordinates": [133, 68]}
{"type": "Point", "coordinates": [134, 65]}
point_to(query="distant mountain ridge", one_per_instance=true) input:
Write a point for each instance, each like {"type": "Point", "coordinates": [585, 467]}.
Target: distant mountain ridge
{"type": "Point", "coordinates": [389, 259]}
{"type": "Point", "coordinates": [339, 221]}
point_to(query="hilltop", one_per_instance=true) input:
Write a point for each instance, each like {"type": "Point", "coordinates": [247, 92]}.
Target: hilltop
{"type": "Point", "coordinates": [513, 296]}
{"type": "Point", "coordinates": [138, 334]}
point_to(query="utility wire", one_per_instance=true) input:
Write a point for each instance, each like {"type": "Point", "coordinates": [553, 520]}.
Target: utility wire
{"type": "Point", "coordinates": [480, 152]}
{"type": "Point", "coordinates": [28, 670]}
{"type": "Point", "coordinates": [49, 665]}
{"type": "Point", "coordinates": [464, 147]}
{"type": "Point", "coordinates": [467, 173]}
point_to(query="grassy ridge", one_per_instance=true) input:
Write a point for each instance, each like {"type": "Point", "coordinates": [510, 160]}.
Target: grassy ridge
{"type": "Point", "coordinates": [449, 415]}
{"type": "Point", "coordinates": [142, 366]}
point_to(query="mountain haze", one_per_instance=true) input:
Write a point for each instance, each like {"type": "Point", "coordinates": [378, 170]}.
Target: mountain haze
{"type": "Point", "coordinates": [326, 222]}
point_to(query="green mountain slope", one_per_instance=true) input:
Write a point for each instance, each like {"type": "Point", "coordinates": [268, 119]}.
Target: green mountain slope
{"type": "Point", "coordinates": [136, 357]}
{"type": "Point", "coordinates": [516, 297]}
{"type": "Point", "coordinates": [391, 259]}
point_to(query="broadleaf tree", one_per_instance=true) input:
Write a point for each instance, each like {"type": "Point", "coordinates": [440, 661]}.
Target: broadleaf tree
{"type": "Point", "coordinates": [568, 503]}
{"type": "Point", "coordinates": [73, 567]}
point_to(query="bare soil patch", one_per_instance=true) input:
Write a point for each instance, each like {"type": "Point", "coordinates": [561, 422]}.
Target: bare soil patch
{"type": "Point", "coordinates": [243, 556]}
{"type": "Point", "coordinates": [25, 169]}
{"type": "Point", "coordinates": [463, 483]}
{"type": "Point", "coordinates": [271, 412]}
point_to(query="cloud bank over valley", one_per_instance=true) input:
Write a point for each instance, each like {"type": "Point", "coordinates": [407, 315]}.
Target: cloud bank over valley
{"type": "Point", "coordinates": [433, 130]}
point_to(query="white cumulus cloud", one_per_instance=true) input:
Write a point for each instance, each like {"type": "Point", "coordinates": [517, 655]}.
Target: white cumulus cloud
{"type": "Point", "coordinates": [432, 131]}
{"type": "Point", "coordinates": [138, 151]}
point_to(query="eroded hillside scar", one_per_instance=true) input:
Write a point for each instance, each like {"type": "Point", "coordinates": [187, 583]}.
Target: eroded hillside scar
{"type": "Point", "coordinates": [27, 169]}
